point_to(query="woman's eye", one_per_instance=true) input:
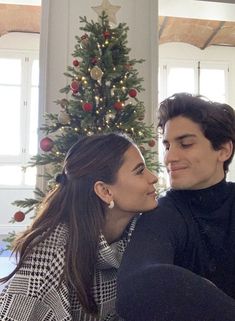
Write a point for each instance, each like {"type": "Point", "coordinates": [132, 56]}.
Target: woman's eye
{"type": "Point", "coordinates": [140, 170]}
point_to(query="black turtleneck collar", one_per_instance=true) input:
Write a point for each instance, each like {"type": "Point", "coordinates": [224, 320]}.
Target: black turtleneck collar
{"type": "Point", "coordinates": [208, 199]}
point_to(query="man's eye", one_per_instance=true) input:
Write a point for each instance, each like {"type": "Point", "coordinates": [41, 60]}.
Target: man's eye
{"type": "Point", "coordinates": [186, 145]}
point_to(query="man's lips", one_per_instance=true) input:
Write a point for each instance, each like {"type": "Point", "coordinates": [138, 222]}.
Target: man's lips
{"type": "Point", "coordinates": [175, 168]}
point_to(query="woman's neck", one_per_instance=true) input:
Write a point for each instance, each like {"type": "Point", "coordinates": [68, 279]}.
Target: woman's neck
{"type": "Point", "coordinates": [115, 225]}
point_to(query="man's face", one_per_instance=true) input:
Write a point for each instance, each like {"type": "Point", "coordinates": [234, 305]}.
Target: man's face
{"type": "Point", "coordinates": [190, 160]}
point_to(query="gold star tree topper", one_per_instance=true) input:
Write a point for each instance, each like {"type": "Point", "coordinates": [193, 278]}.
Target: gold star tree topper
{"type": "Point", "coordinates": [109, 9]}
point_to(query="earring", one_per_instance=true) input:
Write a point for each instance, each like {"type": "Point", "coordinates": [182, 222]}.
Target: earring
{"type": "Point", "coordinates": [111, 204]}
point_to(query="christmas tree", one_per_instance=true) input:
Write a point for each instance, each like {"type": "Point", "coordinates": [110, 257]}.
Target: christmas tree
{"type": "Point", "coordinates": [101, 97]}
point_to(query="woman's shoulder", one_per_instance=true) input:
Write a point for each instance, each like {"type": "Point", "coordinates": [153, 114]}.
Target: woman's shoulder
{"type": "Point", "coordinates": [58, 237]}
{"type": "Point", "coordinates": [47, 257]}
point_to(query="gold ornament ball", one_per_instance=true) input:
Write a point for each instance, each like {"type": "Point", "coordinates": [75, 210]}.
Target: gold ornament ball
{"type": "Point", "coordinates": [63, 118]}
{"type": "Point", "coordinates": [96, 73]}
{"type": "Point", "coordinates": [109, 117]}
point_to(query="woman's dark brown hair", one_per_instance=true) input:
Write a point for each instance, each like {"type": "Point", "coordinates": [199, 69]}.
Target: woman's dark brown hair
{"type": "Point", "coordinates": [75, 203]}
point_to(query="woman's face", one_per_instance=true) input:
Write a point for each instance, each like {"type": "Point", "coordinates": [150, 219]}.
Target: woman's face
{"type": "Point", "coordinates": [134, 191]}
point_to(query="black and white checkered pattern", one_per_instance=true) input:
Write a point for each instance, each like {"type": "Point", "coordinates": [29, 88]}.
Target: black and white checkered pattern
{"type": "Point", "coordinates": [35, 293]}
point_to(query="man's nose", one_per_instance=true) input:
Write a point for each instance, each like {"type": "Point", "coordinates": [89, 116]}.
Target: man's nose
{"type": "Point", "coordinates": [171, 154]}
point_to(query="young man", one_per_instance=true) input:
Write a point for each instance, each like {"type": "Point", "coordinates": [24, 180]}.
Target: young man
{"type": "Point", "coordinates": [180, 264]}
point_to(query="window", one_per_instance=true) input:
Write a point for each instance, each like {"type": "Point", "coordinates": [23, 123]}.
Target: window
{"type": "Point", "coordinates": [204, 78]}
{"type": "Point", "coordinates": [19, 79]}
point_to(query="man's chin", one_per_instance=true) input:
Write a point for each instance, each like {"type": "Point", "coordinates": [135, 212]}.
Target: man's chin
{"type": "Point", "coordinates": [179, 185]}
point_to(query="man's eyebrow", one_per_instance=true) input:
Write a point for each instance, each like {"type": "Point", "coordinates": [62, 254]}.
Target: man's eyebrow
{"type": "Point", "coordinates": [138, 166]}
{"type": "Point", "coordinates": [165, 141]}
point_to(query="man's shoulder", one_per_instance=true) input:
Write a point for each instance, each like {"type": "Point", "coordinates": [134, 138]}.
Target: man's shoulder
{"type": "Point", "coordinates": [166, 210]}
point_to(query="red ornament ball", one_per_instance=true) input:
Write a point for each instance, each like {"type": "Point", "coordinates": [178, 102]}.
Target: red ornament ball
{"type": "Point", "coordinates": [76, 63]}
{"type": "Point", "coordinates": [19, 216]}
{"type": "Point", "coordinates": [87, 107]}
{"type": "Point", "coordinates": [74, 86]}
{"type": "Point", "coordinates": [94, 60]}
{"type": "Point", "coordinates": [118, 106]}
{"type": "Point", "coordinates": [132, 93]}
{"type": "Point", "coordinates": [106, 34]}
{"type": "Point", "coordinates": [152, 143]}
{"type": "Point", "coordinates": [46, 144]}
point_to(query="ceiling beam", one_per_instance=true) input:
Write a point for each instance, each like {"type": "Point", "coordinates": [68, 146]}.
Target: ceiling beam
{"type": "Point", "coordinates": [213, 34]}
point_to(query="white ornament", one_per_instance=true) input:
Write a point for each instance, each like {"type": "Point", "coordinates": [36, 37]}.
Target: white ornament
{"type": "Point", "coordinates": [109, 9]}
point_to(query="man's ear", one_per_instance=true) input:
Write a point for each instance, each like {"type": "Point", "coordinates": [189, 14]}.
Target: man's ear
{"type": "Point", "coordinates": [103, 191]}
{"type": "Point", "coordinates": [226, 151]}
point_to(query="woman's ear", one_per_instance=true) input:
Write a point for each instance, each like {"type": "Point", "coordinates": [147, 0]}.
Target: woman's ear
{"type": "Point", "coordinates": [103, 191]}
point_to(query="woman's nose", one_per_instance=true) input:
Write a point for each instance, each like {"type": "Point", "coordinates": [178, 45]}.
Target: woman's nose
{"type": "Point", "coordinates": [154, 178]}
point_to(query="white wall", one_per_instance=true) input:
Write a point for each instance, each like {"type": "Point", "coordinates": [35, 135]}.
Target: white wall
{"type": "Point", "coordinates": [181, 51]}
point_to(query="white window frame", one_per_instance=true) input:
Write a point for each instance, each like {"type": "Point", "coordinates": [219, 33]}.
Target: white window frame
{"type": "Point", "coordinates": [196, 65]}
{"type": "Point", "coordinates": [27, 57]}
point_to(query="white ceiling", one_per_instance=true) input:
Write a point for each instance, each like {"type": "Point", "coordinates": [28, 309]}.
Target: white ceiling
{"type": "Point", "coordinates": [216, 10]}
{"type": "Point", "coordinates": [26, 2]}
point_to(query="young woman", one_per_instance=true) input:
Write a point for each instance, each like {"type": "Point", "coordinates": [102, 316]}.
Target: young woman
{"type": "Point", "coordinates": [68, 258]}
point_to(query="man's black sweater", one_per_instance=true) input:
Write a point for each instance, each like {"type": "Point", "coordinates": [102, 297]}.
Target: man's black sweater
{"type": "Point", "coordinates": [189, 231]}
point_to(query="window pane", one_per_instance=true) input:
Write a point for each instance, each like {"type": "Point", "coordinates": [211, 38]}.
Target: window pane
{"type": "Point", "coordinates": [180, 80]}
{"type": "Point", "coordinates": [10, 175]}
{"type": "Point", "coordinates": [33, 141]}
{"type": "Point", "coordinates": [10, 71]}
{"type": "Point", "coordinates": [35, 73]}
{"type": "Point", "coordinates": [30, 176]}
{"type": "Point", "coordinates": [10, 124]}
{"type": "Point", "coordinates": [212, 84]}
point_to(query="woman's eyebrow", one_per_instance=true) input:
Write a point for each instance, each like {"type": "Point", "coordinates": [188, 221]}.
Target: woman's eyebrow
{"type": "Point", "coordinates": [138, 166]}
